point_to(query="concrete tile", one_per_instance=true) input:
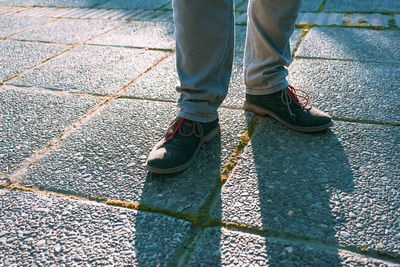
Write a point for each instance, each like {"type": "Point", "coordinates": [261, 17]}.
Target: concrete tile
{"type": "Point", "coordinates": [140, 34]}
{"type": "Point", "coordinates": [90, 69]}
{"type": "Point", "coordinates": [106, 157]}
{"type": "Point", "coordinates": [243, 7]}
{"type": "Point", "coordinates": [307, 5]}
{"type": "Point", "coordinates": [65, 30]}
{"type": "Point", "coordinates": [51, 3]}
{"type": "Point", "coordinates": [47, 230]}
{"type": "Point", "coordinates": [351, 43]}
{"type": "Point", "coordinates": [311, 5]}
{"type": "Point", "coordinates": [136, 4]}
{"type": "Point", "coordinates": [220, 247]}
{"type": "Point", "coordinates": [30, 119]}
{"type": "Point", "coordinates": [356, 90]}
{"type": "Point", "coordinates": [16, 57]}
{"type": "Point", "coordinates": [158, 83]}
{"type": "Point", "coordinates": [362, 5]}
{"type": "Point", "coordinates": [12, 25]}
{"type": "Point", "coordinates": [337, 186]}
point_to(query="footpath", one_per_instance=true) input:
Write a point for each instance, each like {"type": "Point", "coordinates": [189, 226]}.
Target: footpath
{"type": "Point", "coordinates": [88, 86]}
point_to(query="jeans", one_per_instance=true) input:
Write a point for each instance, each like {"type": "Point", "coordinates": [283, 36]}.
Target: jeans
{"type": "Point", "coordinates": [204, 31]}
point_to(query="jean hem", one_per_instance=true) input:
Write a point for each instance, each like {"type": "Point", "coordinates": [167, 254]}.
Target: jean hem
{"type": "Point", "coordinates": [197, 117]}
{"type": "Point", "coordinates": [266, 91]}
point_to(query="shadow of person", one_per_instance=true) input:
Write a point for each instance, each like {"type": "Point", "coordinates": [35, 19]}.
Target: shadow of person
{"type": "Point", "coordinates": [285, 183]}
{"type": "Point", "coordinates": [158, 236]}
{"type": "Point", "coordinates": [297, 176]}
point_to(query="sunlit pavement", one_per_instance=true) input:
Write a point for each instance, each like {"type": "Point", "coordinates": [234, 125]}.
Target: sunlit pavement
{"type": "Point", "coordinates": [87, 88]}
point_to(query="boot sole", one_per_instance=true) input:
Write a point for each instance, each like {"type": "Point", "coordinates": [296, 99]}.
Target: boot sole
{"type": "Point", "coordinates": [265, 112]}
{"type": "Point", "coordinates": [207, 138]}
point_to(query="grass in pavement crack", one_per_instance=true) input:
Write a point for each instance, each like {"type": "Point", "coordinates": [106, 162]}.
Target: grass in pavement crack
{"type": "Point", "coordinates": [366, 121]}
{"type": "Point", "coordinates": [233, 226]}
{"type": "Point", "coordinates": [322, 6]}
{"type": "Point", "coordinates": [229, 166]}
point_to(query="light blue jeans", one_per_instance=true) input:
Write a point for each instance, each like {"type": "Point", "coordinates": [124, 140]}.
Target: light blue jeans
{"type": "Point", "coordinates": [204, 31]}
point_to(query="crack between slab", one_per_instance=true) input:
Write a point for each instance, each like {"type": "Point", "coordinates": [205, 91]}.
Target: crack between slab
{"type": "Point", "coordinates": [321, 7]}
{"type": "Point", "coordinates": [59, 54]}
{"type": "Point", "coordinates": [304, 32]}
{"type": "Point", "coordinates": [37, 64]}
{"type": "Point", "coordinates": [392, 24]}
{"type": "Point", "coordinates": [162, 7]}
{"type": "Point", "coordinates": [346, 60]}
{"type": "Point", "coordinates": [171, 50]}
{"type": "Point", "coordinates": [199, 224]}
{"type": "Point", "coordinates": [349, 26]}
{"type": "Point", "coordinates": [28, 29]}
{"type": "Point", "coordinates": [362, 121]}
{"type": "Point", "coordinates": [58, 140]}
{"type": "Point", "coordinates": [287, 236]}
{"type": "Point", "coordinates": [239, 5]}
{"type": "Point", "coordinates": [55, 91]}
{"type": "Point", "coordinates": [226, 172]}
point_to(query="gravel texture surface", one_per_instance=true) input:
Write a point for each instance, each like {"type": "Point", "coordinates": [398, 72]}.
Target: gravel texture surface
{"type": "Point", "coordinates": [106, 158]}
{"type": "Point", "coordinates": [90, 69]}
{"type": "Point", "coordinates": [11, 25]}
{"type": "Point", "coordinates": [52, 3]}
{"type": "Point", "coordinates": [43, 230]}
{"type": "Point", "coordinates": [362, 5]}
{"type": "Point", "coordinates": [141, 34]}
{"type": "Point", "coordinates": [29, 120]}
{"type": "Point", "coordinates": [338, 186]}
{"type": "Point", "coordinates": [351, 43]}
{"type": "Point", "coordinates": [129, 4]}
{"type": "Point", "coordinates": [16, 57]}
{"type": "Point", "coordinates": [307, 5]}
{"type": "Point", "coordinates": [220, 247]}
{"type": "Point", "coordinates": [368, 91]}
{"type": "Point", "coordinates": [65, 30]}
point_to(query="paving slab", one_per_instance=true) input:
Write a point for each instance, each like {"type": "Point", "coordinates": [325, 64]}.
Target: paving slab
{"type": "Point", "coordinates": [337, 186]}
{"type": "Point", "coordinates": [12, 25]}
{"type": "Point", "coordinates": [351, 43]}
{"type": "Point", "coordinates": [136, 4]}
{"type": "Point", "coordinates": [30, 119]}
{"type": "Point", "coordinates": [368, 91]}
{"type": "Point", "coordinates": [65, 30]}
{"type": "Point", "coordinates": [90, 69]}
{"type": "Point", "coordinates": [362, 5]}
{"type": "Point", "coordinates": [51, 3]}
{"type": "Point", "coordinates": [106, 158]}
{"type": "Point", "coordinates": [45, 230]}
{"type": "Point", "coordinates": [158, 83]}
{"type": "Point", "coordinates": [221, 247]}
{"type": "Point", "coordinates": [307, 5]}
{"type": "Point", "coordinates": [16, 57]}
{"type": "Point", "coordinates": [140, 34]}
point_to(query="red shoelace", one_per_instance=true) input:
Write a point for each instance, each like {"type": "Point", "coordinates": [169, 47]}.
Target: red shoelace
{"type": "Point", "coordinates": [176, 127]}
{"type": "Point", "coordinates": [301, 99]}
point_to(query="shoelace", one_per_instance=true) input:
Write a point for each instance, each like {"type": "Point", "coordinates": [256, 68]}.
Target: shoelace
{"type": "Point", "coordinates": [291, 95]}
{"type": "Point", "coordinates": [176, 127]}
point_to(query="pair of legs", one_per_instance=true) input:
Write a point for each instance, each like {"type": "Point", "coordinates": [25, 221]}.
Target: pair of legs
{"type": "Point", "coordinates": [205, 45]}
{"type": "Point", "coordinates": [204, 32]}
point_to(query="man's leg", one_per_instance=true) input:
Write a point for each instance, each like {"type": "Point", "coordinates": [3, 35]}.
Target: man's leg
{"type": "Point", "coordinates": [204, 54]}
{"type": "Point", "coordinates": [267, 53]}
{"type": "Point", "coordinates": [204, 50]}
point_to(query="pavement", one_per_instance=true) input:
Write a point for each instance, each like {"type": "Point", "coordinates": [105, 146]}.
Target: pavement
{"type": "Point", "coordinates": [87, 88]}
